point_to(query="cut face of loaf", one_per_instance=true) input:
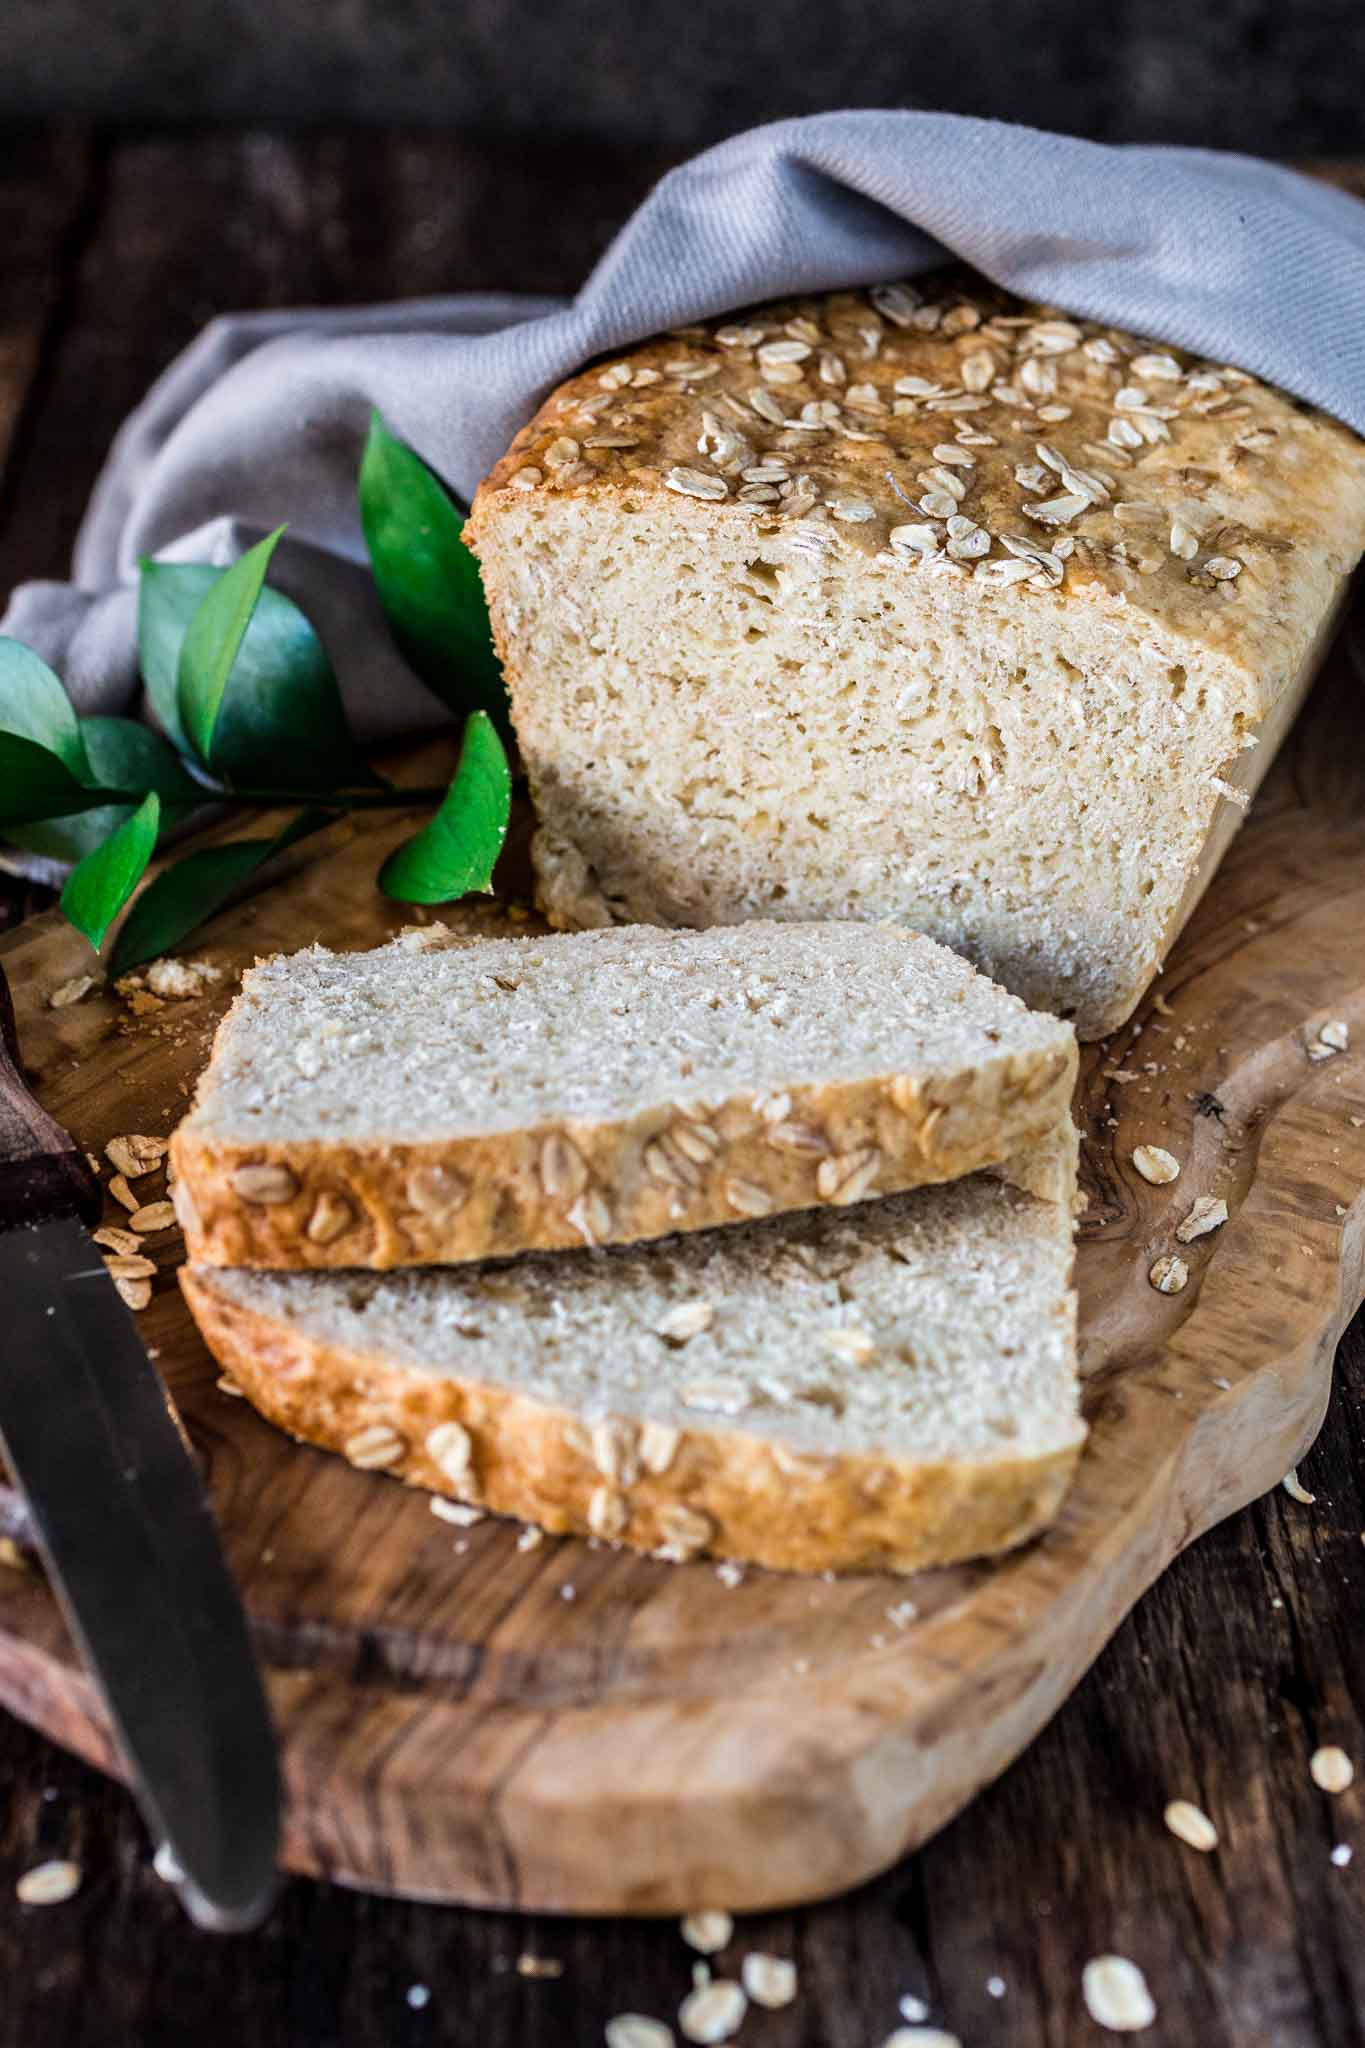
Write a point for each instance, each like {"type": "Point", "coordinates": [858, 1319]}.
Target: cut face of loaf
{"type": "Point", "coordinates": [889, 1386]}
{"type": "Point", "coordinates": [439, 1099]}
{"type": "Point", "coordinates": [921, 605]}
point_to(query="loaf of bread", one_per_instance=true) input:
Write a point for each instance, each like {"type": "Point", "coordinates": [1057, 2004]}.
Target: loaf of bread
{"type": "Point", "coordinates": [918, 604]}
{"type": "Point", "coordinates": [883, 1387]}
{"type": "Point", "coordinates": [443, 1098]}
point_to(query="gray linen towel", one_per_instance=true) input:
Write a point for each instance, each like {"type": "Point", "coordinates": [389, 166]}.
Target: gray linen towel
{"type": "Point", "coordinates": [262, 420]}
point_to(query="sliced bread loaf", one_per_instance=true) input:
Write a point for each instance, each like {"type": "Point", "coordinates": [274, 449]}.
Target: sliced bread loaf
{"type": "Point", "coordinates": [442, 1099]}
{"type": "Point", "coordinates": [885, 1387]}
{"type": "Point", "coordinates": [921, 603]}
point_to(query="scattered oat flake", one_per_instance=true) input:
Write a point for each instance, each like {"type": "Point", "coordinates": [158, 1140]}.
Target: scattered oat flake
{"type": "Point", "coordinates": [1191, 1825]}
{"type": "Point", "coordinates": [769, 1980]}
{"type": "Point", "coordinates": [713, 2012]}
{"type": "Point", "coordinates": [49, 1884]}
{"type": "Point", "coordinates": [633, 2030]}
{"type": "Point", "coordinates": [1331, 1769]}
{"type": "Point", "coordinates": [539, 1966]}
{"type": "Point", "coordinates": [135, 1154]}
{"type": "Point", "coordinates": [123, 1242]}
{"type": "Point", "coordinates": [68, 992]}
{"type": "Point", "coordinates": [1209, 1212]}
{"type": "Point", "coordinates": [707, 1931]}
{"type": "Point", "coordinates": [1116, 1995]}
{"type": "Point", "coordinates": [1169, 1275]}
{"type": "Point", "coordinates": [1291, 1485]}
{"type": "Point", "coordinates": [153, 1216]}
{"type": "Point", "coordinates": [1155, 1164]}
{"type": "Point", "coordinates": [136, 1294]}
{"type": "Point", "coordinates": [123, 1194]}
{"type": "Point", "coordinates": [457, 1511]}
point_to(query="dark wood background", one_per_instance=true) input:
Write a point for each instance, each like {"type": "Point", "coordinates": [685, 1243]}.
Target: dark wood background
{"type": "Point", "coordinates": [1218, 1688]}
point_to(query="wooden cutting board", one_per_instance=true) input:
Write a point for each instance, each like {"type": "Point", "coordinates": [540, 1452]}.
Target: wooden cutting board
{"type": "Point", "coordinates": [572, 1728]}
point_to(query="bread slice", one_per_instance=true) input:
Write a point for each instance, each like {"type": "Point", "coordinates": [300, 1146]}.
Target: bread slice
{"type": "Point", "coordinates": [919, 603]}
{"type": "Point", "coordinates": [442, 1099]}
{"type": "Point", "coordinates": [883, 1387]}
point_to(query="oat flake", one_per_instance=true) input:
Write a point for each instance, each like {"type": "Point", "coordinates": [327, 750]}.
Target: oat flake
{"type": "Point", "coordinates": [49, 1884]}
{"type": "Point", "coordinates": [707, 1932]}
{"type": "Point", "coordinates": [713, 2012]}
{"type": "Point", "coordinates": [1116, 1995]}
{"type": "Point", "coordinates": [1331, 1768]}
{"type": "Point", "coordinates": [1191, 1825]}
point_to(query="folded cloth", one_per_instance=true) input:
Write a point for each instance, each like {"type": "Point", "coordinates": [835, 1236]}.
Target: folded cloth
{"type": "Point", "coordinates": [263, 419]}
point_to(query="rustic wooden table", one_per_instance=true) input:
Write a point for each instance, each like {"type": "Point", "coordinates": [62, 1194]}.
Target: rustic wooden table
{"type": "Point", "coordinates": [116, 250]}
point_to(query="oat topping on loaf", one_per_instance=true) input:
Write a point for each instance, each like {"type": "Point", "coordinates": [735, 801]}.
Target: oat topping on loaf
{"type": "Point", "coordinates": [1020, 445]}
{"type": "Point", "coordinates": [918, 602]}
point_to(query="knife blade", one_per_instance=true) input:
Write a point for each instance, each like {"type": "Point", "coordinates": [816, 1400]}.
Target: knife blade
{"type": "Point", "coordinates": [125, 1527]}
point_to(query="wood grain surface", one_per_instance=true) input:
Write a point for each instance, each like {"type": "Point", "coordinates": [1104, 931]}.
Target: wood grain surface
{"type": "Point", "coordinates": [1237, 1666]}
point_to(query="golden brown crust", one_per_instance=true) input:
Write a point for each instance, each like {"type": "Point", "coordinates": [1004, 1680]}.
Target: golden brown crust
{"type": "Point", "coordinates": [316, 1204]}
{"type": "Point", "coordinates": [723, 1492]}
{"type": "Point", "coordinates": [1212, 502]}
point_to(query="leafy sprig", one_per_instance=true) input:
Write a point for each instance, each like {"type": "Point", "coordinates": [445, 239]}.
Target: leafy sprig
{"type": "Point", "coordinates": [253, 719]}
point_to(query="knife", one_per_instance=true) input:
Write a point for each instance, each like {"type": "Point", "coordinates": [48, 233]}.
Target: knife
{"type": "Point", "coordinates": [125, 1528]}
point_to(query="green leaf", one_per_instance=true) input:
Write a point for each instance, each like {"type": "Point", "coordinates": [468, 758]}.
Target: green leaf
{"type": "Point", "coordinates": [34, 705]}
{"type": "Point", "coordinates": [122, 755]}
{"type": "Point", "coordinates": [70, 839]}
{"type": "Point", "coordinates": [189, 892]}
{"type": "Point", "coordinates": [169, 595]}
{"type": "Point", "coordinates": [98, 888]}
{"type": "Point", "coordinates": [457, 851]}
{"type": "Point", "coordinates": [35, 784]}
{"type": "Point", "coordinates": [212, 639]}
{"type": "Point", "coordinates": [280, 717]}
{"type": "Point", "coordinates": [125, 755]}
{"type": "Point", "coordinates": [428, 580]}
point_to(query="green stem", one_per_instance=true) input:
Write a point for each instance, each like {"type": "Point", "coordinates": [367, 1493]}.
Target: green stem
{"type": "Point", "coordinates": [337, 800]}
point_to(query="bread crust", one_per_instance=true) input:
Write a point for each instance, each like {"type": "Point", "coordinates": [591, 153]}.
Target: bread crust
{"type": "Point", "coordinates": [1218, 518]}
{"type": "Point", "coordinates": [722, 1492]}
{"type": "Point", "coordinates": [564, 1184]}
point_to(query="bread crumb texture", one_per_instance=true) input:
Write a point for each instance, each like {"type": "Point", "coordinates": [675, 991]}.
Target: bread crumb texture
{"type": "Point", "coordinates": [555, 1387]}
{"type": "Point", "coordinates": [919, 603]}
{"type": "Point", "coordinates": [441, 1099]}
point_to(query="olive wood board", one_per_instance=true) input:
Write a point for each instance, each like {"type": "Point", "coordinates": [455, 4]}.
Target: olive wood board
{"type": "Point", "coordinates": [457, 1725]}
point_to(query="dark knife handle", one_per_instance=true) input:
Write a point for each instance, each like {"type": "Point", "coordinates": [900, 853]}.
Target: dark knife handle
{"type": "Point", "coordinates": [43, 1171]}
